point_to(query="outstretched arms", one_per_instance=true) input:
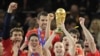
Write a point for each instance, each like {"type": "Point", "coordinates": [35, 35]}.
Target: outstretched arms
{"type": "Point", "coordinates": [49, 41]}
{"type": "Point", "coordinates": [88, 36]}
{"type": "Point", "coordinates": [50, 17]}
{"type": "Point", "coordinates": [7, 18]}
{"type": "Point", "coordinates": [70, 39]}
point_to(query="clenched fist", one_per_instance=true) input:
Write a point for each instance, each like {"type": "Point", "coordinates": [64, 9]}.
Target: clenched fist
{"type": "Point", "coordinates": [50, 16]}
{"type": "Point", "coordinates": [12, 7]}
{"type": "Point", "coordinates": [82, 20]}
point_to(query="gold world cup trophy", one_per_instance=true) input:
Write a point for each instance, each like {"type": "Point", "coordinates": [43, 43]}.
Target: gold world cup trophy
{"type": "Point", "coordinates": [60, 17]}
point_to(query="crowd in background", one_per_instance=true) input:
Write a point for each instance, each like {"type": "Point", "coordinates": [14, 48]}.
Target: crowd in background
{"type": "Point", "coordinates": [27, 14]}
{"type": "Point", "coordinates": [28, 9]}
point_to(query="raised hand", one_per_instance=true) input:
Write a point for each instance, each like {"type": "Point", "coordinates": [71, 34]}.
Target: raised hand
{"type": "Point", "coordinates": [39, 49]}
{"type": "Point", "coordinates": [82, 20]}
{"type": "Point", "coordinates": [12, 7]}
{"type": "Point", "coordinates": [30, 48]}
{"type": "Point", "coordinates": [50, 16]}
{"type": "Point", "coordinates": [15, 48]}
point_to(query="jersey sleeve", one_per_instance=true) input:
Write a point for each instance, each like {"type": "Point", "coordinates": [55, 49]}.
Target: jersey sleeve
{"type": "Point", "coordinates": [6, 26]}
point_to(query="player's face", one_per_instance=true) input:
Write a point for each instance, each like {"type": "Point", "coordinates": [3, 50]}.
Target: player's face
{"type": "Point", "coordinates": [74, 37]}
{"type": "Point", "coordinates": [86, 46]}
{"type": "Point", "coordinates": [66, 43]}
{"type": "Point", "coordinates": [17, 36]}
{"type": "Point", "coordinates": [34, 41]}
{"type": "Point", "coordinates": [42, 22]}
{"type": "Point", "coordinates": [59, 49]}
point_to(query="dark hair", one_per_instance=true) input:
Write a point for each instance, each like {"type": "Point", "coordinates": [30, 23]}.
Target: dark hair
{"type": "Point", "coordinates": [74, 31]}
{"type": "Point", "coordinates": [16, 30]}
{"type": "Point", "coordinates": [42, 13]}
{"type": "Point", "coordinates": [33, 34]}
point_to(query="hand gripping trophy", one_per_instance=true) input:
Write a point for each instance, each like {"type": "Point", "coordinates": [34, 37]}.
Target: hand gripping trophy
{"type": "Point", "coordinates": [60, 18]}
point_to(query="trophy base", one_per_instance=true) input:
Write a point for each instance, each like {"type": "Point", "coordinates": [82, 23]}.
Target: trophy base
{"type": "Point", "coordinates": [58, 31]}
